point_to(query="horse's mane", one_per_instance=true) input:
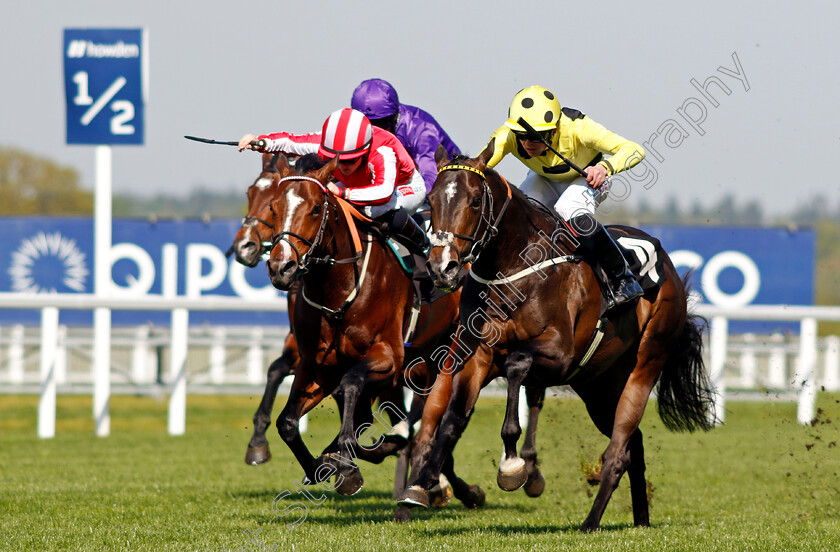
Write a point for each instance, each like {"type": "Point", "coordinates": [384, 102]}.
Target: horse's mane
{"type": "Point", "coordinates": [309, 162]}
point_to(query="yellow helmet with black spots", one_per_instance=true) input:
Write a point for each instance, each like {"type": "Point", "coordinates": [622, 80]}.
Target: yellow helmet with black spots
{"type": "Point", "coordinates": [538, 106]}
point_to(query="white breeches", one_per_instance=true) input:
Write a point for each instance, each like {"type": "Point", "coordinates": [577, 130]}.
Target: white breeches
{"type": "Point", "coordinates": [570, 199]}
{"type": "Point", "coordinates": [409, 196]}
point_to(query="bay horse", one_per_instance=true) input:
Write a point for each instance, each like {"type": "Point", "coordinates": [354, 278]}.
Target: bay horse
{"type": "Point", "coordinates": [251, 242]}
{"type": "Point", "coordinates": [540, 327]}
{"type": "Point", "coordinates": [350, 312]}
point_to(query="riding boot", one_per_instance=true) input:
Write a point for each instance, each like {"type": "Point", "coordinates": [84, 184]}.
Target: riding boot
{"type": "Point", "coordinates": [411, 234]}
{"type": "Point", "coordinates": [623, 286]}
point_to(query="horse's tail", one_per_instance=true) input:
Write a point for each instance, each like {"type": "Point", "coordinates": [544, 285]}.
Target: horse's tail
{"type": "Point", "coordinates": [685, 394]}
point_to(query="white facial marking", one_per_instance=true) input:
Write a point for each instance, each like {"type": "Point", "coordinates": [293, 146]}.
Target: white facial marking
{"type": "Point", "coordinates": [292, 202]}
{"type": "Point", "coordinates": [445, 258]}
{"type": "Point", "coordinates": [263, 183]}
{"type": "Point", "coordinates": [450, 192]}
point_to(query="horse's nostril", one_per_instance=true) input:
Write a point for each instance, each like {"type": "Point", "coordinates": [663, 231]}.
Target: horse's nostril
{"type": "Point", "coordinates": [451, 267]}
{"type": "Point", "coordinates": [289, 266]}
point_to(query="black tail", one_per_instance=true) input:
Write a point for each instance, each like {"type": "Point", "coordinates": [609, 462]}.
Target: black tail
{"type": "Point", "coordinates": [685, 395]}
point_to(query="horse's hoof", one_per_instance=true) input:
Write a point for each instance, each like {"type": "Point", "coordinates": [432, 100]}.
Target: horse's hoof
{"type": "Point", "coordinates": [588, 527]}
{"type": "Point", "coordinates": [440, 494]}
{"type": "Point", "coordinates": [351, 483]}
{"type": "Point", "coordinates": [415, 496]}
{"type": "Point", "coordinates": [475, 498]}
{"type": "Point", "coordinates": [257, 455]}
{"type": "Point", "coordinates": [535, 485]}
{"type": "Point", "coordinates": [512, 474]}
{"type": "Point", "coordinates": [402, 514]}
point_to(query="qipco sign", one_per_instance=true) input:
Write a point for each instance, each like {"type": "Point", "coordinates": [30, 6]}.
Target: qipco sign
{"type": "Point", "coordinates": [733, 267]}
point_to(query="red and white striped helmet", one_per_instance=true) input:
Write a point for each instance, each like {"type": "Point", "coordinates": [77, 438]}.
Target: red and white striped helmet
{"type": "Point", "coordinates": [346, 133]}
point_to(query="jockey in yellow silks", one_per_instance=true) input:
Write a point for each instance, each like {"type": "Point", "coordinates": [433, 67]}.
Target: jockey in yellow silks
{"type": "Point", "coordinates": [552, 181]}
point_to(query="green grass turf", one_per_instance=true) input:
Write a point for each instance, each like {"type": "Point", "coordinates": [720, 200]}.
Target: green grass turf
{"type": "Point", "coordinates": [761, 482]}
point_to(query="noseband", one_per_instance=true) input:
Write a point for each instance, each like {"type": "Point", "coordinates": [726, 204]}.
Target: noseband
{"type": "Point", "coordinates": [491, 229]}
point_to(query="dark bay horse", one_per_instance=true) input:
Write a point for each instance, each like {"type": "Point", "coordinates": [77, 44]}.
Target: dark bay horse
{"type": "Point", "coordinates": [350, 313]}
{"type": "Point", "coordinates": [251, 242]}
{"type": "Point", "coordinates": [538, 321]}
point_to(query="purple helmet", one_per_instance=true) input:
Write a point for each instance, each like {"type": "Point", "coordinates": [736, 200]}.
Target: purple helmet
{"type": "Point", "coordinates": [375, 98]}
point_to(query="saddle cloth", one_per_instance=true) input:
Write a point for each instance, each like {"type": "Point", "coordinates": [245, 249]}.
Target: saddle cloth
{"type": "Point", "coordinates": [643, 253]}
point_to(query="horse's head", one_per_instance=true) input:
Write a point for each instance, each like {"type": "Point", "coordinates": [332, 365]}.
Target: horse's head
{"type": "Point", "coordinates": [253, 239]}
{"type": "Point", "coordinates": [300, 212]}
{"type": "Point", "coordinates": [463, 215]}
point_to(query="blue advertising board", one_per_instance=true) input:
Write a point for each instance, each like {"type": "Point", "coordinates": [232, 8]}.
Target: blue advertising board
{"type": "Point", "coordinates": [731, 266]}
{"type": "Point", "coordinates": [104, 85]}
{"type": "Point", "coordinates": [186, 258]}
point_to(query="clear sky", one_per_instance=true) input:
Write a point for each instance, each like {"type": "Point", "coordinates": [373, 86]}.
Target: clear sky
{"type": "Point", "coordinates": [221, 69]}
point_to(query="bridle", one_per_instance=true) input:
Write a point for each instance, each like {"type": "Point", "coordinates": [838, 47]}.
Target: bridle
{"type": "Point", "coordinates": [305, 260]}
{"type": "Point", "coordinates": [253, 222]}
{"type": "Point", "coordinates": [491, 228]}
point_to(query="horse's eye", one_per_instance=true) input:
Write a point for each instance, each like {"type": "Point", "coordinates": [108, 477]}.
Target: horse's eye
{"type": "Point", "coordinates": [476, 202]}
{"type": "Point", "coordinates": [316, 210]}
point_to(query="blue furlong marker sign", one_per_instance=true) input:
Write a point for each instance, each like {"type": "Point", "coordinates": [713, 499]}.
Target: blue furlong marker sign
{"type": "Point", "coordinates": [731, 266]}
{"type": "Point", "coordinates": [104, 85]}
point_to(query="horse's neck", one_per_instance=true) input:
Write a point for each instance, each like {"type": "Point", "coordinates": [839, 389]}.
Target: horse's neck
{"type": "Point", "coordinates": [524, 234]}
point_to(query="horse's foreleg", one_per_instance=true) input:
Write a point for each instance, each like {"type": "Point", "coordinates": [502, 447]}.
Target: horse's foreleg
{"type": "Point", "coordinates": [403, 460]}
{"type": "Point", "coordinates": [466, 387]}
{"type": "Point", "coordinates": [304, 396]}
{"type": "Point", "coordinates": [535, 396]}
{"type": "Point", "coordinates": [258, 451]}
{"type": "Point", "coordinates": [378, 360]}
{"type": "Point", "coordinates": [512, 473]}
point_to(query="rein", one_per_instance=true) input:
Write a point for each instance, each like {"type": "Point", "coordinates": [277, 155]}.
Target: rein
{"type": "Point", "coordinates": [492, 227]}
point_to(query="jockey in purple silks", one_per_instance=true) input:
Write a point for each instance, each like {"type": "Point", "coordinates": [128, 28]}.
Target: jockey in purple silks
{"type": "Point", "coordinates": [416, 129]}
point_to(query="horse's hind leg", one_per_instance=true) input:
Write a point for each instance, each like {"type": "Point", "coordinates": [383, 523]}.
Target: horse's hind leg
{"type": "Point", "coordinates": [638, 484]}
{"type": "Point", "coordinates": [471, 496]}
{"type": "Point", "coordinates": [536, 481]}
{"type": "Point", "coordinates": [620, 422]}
{"type": "Point", "coordinates": [512, 473]}
{"type": "Point", "coordinates": [258, 451]}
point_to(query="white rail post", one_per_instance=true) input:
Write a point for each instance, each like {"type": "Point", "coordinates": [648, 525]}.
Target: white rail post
{"type": "Point", "coordinates": [178, 371]}
{"type": "Point", "coordinates": [102, 288]}
{"type": "Point", "coordinates": [748, 363]}
{"type": "Point", "coordinates": [102, 371]}
{"type": "Point", "coordinates": [16, 354]}
{"type": "Point", "coordinates": [718, 331]}
{"type": "Point", "coordinates": [218, 355]}
{"type": "Point", "coordinates": [140, 372]}
{"type": "Point", "coordinates": [61, 356]}
{"type": "Point", "coordinates": [805, 371]}
{"type": "Point", "coordinates": [776, 367]}
{"type": "Point", "coordinates": [831, 376]}
{"type": "Point", "coordinates": [256, 363]}
{"type": "Point", "coordinates": [49, 346]}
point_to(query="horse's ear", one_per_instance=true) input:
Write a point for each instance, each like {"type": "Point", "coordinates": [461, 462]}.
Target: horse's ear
{"type": "Point", "coordinates": [324, 173]}
{"type": "Point", "coordinates": [486, 155]}
{"type": "Point", "coordinates": [283, 165]}
{"type": "Point", "coordinates": [268, 162]}
{"type": "Point", "coordinates": [441, 156]}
